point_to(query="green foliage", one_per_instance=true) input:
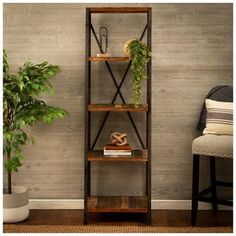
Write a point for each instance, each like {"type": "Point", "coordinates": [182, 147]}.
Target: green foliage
{"type": "Point", "coordinates": [21, 108]}
{"type": "Point", "coordinates": [139, 56]}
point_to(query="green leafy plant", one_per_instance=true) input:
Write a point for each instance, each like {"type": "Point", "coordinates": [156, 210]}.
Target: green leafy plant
{"type": "Point", "coordinates": [139, 55]}
{"type": "Point", "coordinates": [21, 108]}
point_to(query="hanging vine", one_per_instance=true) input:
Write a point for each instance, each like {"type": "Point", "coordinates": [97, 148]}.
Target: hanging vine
{"type": "Point", "coordinates": [139, 55]}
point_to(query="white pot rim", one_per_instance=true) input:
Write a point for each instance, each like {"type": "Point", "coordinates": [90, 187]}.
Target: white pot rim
{"type": "Point", "coordinates": [15, 190]}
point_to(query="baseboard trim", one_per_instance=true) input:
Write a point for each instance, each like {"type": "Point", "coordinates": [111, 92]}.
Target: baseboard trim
{"type": "Point", "coordinates": [156, 204]}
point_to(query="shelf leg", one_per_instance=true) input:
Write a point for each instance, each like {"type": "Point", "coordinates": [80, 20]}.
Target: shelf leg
{"type": "Point", "coordinates": [149, 218]}
{"type": "Point", "coordinates": [89, 179]}
{"type": "Point", "coordinates": [85, 218]}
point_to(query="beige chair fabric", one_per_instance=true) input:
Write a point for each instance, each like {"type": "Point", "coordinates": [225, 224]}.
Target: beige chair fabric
{"type": "Point", "coordinates": [219, 117]}
{"type": "Point", "coordinates": [213, 145]}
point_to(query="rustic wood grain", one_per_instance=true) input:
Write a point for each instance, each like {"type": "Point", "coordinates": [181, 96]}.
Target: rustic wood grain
{"type": "Point", "coordinates": [163, 218]}
{"type": "Point", "coordinates": [100, 59]}
{"type": "Point", "coordinates": [192, 52]}
{"type": "Point", "coordinates": [117, 204]}
{"type": "Point", "coordinates": [117, 107]}
{"type": "Point", "coordinates": [118, 9]}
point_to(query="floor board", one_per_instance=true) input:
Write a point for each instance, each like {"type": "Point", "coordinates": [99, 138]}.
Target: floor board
{"type": "Point", "coordinates": [166, 218]}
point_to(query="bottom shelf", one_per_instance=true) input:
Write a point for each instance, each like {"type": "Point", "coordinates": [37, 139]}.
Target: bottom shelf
{"type": "Point", "coordinates": [118, 204]}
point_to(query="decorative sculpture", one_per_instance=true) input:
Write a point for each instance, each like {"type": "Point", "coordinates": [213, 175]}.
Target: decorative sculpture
{"type": "Point", "coordinates": [103, 40]}
{"type": "Point", "coordinates": [103, 37]}
{"type": "Point", "coordinates": [119, 139]}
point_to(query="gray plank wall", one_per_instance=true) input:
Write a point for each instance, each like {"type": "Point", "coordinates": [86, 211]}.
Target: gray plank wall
{"type": "Point", "coordinates": [192, 52]}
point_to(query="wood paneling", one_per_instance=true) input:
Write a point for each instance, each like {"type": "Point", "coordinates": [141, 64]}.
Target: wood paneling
{"type": "Point", "coordinates": [192, 52]}
{"type": "Point", "coordinates": [204, 19]}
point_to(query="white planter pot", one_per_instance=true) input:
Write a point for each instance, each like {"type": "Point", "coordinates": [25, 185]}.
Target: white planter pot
{"type": "Point", "coordinates": [15, 205]}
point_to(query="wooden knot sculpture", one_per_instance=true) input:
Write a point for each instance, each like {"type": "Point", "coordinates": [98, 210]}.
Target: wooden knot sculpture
{"type": "Point", "coordinates": [118, 139]}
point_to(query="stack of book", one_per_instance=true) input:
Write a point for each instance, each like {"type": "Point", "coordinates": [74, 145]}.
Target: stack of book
{"type": "Point", "coordinates": [112, 150]}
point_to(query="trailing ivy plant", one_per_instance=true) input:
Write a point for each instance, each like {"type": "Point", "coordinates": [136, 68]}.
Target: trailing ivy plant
{"type": "Point", "coordinates": [22, 108]}
{"type": "Point", "coordinates": [139, 55]}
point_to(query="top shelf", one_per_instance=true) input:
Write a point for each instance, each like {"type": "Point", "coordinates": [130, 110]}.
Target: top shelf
{"type": "Point", "coordinates": [118, 9]}
{"type": "Point", "coordinates": [99, 59]}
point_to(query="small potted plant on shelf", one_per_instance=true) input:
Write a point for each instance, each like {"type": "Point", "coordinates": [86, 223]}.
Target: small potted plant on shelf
{"type": "Point", "coordinates": [139, 54]}
{"type": "Point", "coordinates": [22, 108]}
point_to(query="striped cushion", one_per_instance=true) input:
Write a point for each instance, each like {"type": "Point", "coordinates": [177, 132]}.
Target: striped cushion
{"type": "Point", "coordinates": [219, 117]}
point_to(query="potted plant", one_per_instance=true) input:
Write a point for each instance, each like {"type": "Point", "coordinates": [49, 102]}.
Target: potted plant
{"type": "Point", "coordinates": [22, 108]}
{"type": "Point", "coordinates": [139, 54]}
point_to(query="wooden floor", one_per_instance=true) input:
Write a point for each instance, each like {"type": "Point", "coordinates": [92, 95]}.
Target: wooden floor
{"type": "Point", "coordinates": [166, 218]}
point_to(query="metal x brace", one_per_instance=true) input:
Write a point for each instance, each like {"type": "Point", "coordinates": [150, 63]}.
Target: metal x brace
{"type": "Point", "coordinates": [118, 87]}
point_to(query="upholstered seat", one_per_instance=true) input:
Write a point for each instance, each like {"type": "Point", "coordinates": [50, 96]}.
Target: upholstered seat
{"type": "Point", "coordinates": [216, 123]}
{"type": "Point", "coordinates": [213, 145]}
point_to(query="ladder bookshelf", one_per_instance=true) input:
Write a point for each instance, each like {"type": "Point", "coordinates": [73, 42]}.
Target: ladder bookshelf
{"type": "Point", "coordinates": [116, 204]}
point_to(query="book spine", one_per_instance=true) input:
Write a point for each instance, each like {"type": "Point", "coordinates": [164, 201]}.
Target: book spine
{"type": "Point", "coordinates": [106, 153]}
{"type": "Point", "coordinates": [117, 151]}
{"type": "Point", "coordinates": [113, 147]}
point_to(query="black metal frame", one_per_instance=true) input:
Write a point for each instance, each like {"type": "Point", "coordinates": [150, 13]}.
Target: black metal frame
{"type": "Point", "coordinates": [200, 196]}
{"type": "Point", "coordinates": [88, 144]}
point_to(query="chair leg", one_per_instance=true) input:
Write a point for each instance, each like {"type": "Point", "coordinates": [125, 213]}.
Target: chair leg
{"type": "Point", "coordinates": [195, 188]}
{"type": "Point", "coordinates": [213, 183]}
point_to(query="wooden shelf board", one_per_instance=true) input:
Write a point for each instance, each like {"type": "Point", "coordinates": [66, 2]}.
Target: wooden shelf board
{"type": "Point", "coordinates": [118, 9]}
{"type": "Point", "coordinates": [118, 204]}
{"type": "Point", "coordinates": [118, 107]}
{"type": "Point", "coordinates": [114, 59]}
{"type": "Point", "coordinates": [137, 156]}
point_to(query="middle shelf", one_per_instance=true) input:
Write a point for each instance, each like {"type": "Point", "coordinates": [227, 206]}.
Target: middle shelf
{"type": "Point", "coordinates": [118, 107]}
